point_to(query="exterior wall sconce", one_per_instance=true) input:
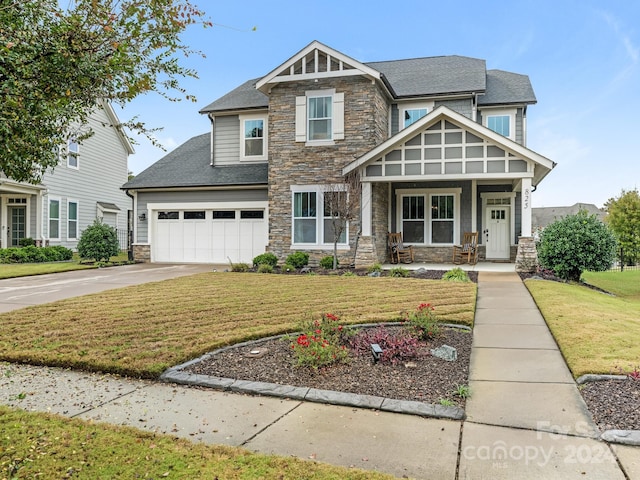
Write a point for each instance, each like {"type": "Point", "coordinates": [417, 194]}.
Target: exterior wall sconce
{"type": "Point", "coordinates": [142, 217]}
{"type": "Point", "coordinates": [376, 352]}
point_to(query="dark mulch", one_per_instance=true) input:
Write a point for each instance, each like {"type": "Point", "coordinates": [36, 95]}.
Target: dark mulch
{"type": "Point", "coordinates": [430, 380]}
{"type": "Point", "coordinates": [614, 404]}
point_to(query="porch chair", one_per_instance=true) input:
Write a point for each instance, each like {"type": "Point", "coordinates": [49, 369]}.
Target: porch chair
{"type": "Point", "coordinates": [468, 250]}
{"type": "Point", "coordinates": [398, 251]}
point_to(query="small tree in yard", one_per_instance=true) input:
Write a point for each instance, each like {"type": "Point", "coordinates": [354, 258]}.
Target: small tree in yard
{"type": "Point", "coordinates": [98, 241]}
{"type": "Point", "coordinates": [623, 216]}
{"type": "Point", "coordinates": [342, 205]}
{"type": "Point", "coordinates": [576, 243]}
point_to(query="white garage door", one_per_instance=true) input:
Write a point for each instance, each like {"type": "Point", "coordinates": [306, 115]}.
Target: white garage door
{"type": "Point", "coordinates": [208, 236]}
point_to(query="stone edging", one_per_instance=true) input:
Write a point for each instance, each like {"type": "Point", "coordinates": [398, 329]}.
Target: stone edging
{"type": "Point", "coordinates": [177, 375]}
{"type": "Point", "coordinates": [623, 437]}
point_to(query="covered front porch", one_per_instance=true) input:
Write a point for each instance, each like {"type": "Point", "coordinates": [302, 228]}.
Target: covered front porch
{"type": "Point", "coordinates": [441, 177]}
{"type": "Point", "coordinates": [20, 212]}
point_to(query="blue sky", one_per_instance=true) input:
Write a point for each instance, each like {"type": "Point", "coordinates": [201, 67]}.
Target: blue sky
{"type": "Point", "coordinates": [583, 58]}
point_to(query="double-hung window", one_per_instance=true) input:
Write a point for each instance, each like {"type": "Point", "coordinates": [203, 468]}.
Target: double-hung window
{"type": "Point", "coordinates": [54, 219]}
{"type": "Point", "coordinates": [73, 151]}
{"type": "Point", "coordinates": [317, 214]}
{"type": "Point", "coordinates": [72, 220]}
{"type": "Point", "coordinates": [253, 142]}
{"type": "Point", "coordinates": [319, 116]}
{"type": "Point", "coordinates": [429, 216]}
{"type": "Point", "coordinates": [442, 218]}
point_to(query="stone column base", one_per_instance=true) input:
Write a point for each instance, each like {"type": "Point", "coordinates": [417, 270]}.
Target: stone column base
{"type": "Point", "coordinates": [527, 255]}
{"type": "Point", "coordinates": [142, 253]}
{"type": "Point", "coordinates": [366, 252]}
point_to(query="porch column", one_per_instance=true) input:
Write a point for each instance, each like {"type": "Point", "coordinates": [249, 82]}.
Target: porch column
{"type": "Point", "coordinates": [39, 218]}
{"type": "Point", "coordinates": [526, 208]}
{"type": "Point", "coordinates": [365, 209]}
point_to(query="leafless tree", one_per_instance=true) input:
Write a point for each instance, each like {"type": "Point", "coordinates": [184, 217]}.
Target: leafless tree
{"type": "Point", "coordinates": [341, 206]}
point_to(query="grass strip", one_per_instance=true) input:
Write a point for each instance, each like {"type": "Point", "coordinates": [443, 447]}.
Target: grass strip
{"type": "Point", "coordinates": [596, 332]}
{"type": "Point", "coordinates": [38, 445]}
{"type": "Point", "coordinates": [142, 330]}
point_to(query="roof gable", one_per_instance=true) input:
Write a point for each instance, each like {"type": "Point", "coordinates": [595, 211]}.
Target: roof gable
{"type": "Point", "coordinates": [316, 60]}
{"type": "Point", "coordinates": [543, 164]}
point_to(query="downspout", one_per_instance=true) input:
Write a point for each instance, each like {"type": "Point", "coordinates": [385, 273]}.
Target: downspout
{"type": "Point", "coordinates": [213, 131]}
{"type": "Point", "coordinates": [134, 224]}
{"type": "Point", "coordinates": [474, 107]}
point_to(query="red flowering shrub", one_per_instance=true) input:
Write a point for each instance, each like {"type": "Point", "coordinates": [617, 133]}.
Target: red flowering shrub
{"type": "Point", "coordinates": [320, 343]}
{"type": "Point", "coordinates": [422, 321]}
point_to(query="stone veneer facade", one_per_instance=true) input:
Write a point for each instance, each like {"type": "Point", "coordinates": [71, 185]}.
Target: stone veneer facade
{"type": "Point", "coordinates": [366, 113]}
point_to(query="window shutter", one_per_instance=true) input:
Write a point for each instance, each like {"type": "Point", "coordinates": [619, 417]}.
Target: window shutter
{"type": "Point", "coordinates": [338, 116]}
{"type": "Point", "coordinates": [301, 119]}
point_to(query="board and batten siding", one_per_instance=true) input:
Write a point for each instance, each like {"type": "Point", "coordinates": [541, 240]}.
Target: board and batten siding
{"type": "Point", "coordinates": [193, 196]}
{"type": "Point", "coordinates": [226, 145]}
{"type": "Point", "coordinates": [102, 171]}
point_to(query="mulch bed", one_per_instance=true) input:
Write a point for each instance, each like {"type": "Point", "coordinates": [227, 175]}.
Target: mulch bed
{"type": "Point", "coordinates": [614, 404]}
{"type": "Point", "coordinates": [429, 380]}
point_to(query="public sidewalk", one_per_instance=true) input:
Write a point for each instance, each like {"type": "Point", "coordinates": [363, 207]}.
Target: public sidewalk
{"type": "Point", "coordinates": [525, 417]}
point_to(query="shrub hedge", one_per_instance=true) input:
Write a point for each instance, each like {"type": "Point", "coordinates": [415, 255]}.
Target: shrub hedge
{"type": "Point", "coordinates": [31, 254]}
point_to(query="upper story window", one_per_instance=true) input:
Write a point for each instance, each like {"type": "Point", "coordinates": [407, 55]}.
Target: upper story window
{"type": "Point", "coordinates": [73, 151]}
{"type": "Point", "coordinates": [320, 117]}
{"type": "Point", "coordinates": [501, 121]}
{"type": "Point", "coordinates": [412, 115]}
{"type": "Point", "coordinates": [253, 144]}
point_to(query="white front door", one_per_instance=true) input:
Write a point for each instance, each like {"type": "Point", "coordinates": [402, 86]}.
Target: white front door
{"type": "Point", "coordinates": [496, 235]}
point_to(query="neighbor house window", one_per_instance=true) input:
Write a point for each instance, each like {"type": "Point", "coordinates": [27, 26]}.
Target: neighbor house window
{"type": "Point", "coordinates": [413, 219]}
{"type": "Point", "coordinates": [54, 219]}
{"type": "Point", "coordinates": [412, 115]}
{"type": "Point", "coordinates": [442, 218]}
{"type": "Point", "coordinates": [72, 220]}
{"type": "Point", "coordinates": [73, 150]}
{"type": "Point", "coordinates": [319, 116]}
{"type": "Point", "coordinates": [254, 137]}
{"type": "Point", "coordinates": [500, 124]}
{"type": "Point", "coordinates": [313, 209]}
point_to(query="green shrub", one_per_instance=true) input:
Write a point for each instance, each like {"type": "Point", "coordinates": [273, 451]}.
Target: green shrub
{"type": "Point", "coordinates": [456, 275]}
{"type": "Point", "coordinates": [265, 259]}
{"type": "Point", "coordinates": [287, 268]}
{"type": "Point", "coordinates": [327, 262]}
{"type": "Point", "coordinates": [422, 321]}
{"type": "Point", "coordinates": [298, 259]}
{"type": "Point", "coordinates": [399, 272]}
{"type": "Point", "coordinates": [376, 267]}
{"type": "Point", "coordinates": [31, 254]}
{"type": "Point", "coordinates": [99, 241]}
{"type": "Point", "coordinates": [265, 268]}
{"type": "Point", "coordinates": [576, 243]}
{"type": "Point", "coordinates": [240, 267]}
{"type": "Point", "coordinates": [27, 242]}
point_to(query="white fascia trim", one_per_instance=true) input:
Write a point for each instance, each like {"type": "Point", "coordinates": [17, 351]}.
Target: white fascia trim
{"type": "Point", "coordinates": [272, 77]}
{"type": "Point", "coordinates": [207, 205]}
{"type": "Point", "coordinates": [117, 125]}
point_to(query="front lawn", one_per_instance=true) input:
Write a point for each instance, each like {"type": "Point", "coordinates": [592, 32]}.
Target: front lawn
{"type": "Point", "coordinates": [596, 332]}
{"type": "Point", "coordinates": [37, 445]}
{"type": "Point", "coordinates": [142, 330]}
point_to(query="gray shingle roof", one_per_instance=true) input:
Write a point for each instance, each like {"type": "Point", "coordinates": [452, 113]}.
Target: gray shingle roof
{"type": "Point", "coordinates": [245, 96]}
{"type": "Point", "coordinates": [544, 216]}
{"type": "Point", "coordinates": [506, 87]}
{"type": "Point", "coordinates": [433, 75]}
{"type": "Point", "coordinates": [189, 166]}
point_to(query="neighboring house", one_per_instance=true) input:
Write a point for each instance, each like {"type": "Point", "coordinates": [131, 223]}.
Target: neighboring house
{"type": "Point", "coordinates": [543, 216]}
{"type": "Point", "coordinates": [439, 144]}
{"type": "Point", "coordinates": [84, 186]}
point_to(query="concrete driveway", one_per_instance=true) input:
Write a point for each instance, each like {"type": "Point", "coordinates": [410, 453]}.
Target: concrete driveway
{"type": "Point", "coordinates": [25, 291]}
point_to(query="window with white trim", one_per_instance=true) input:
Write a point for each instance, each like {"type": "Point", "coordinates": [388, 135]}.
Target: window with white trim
{"type": "Point", "coordinates": [54, 219]}
{"type": "Point", "coordinates": [412, 115]}
{"type": "Point", "coordinates": [253, 142]}
{"type": "Point", "coordinates": [320, 117]}
{"type": "Point", "coordinates": [313, 218]}
{"type": "Point", "coordinates": [72, 220]}
{"type": "Point", "coordinates": [442, 218]}
{"type": "Point", "coordinates": [429, 216]}
{"type": "Point", "coordinates": [413, 219]}
{"type": "Point", "coordinates": [500, 124]}
{"type": "Point", "coordinates": [73, 151]}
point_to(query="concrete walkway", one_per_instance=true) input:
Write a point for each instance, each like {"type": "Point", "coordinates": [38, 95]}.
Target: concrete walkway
{"type": "Point", "coordinates": [525, 418]}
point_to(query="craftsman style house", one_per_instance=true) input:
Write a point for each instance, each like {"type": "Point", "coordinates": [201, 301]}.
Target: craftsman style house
{"type": "Point", "coordinates": [438, 144]}
{"type": "Point", "coordinates": [85, 185]}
